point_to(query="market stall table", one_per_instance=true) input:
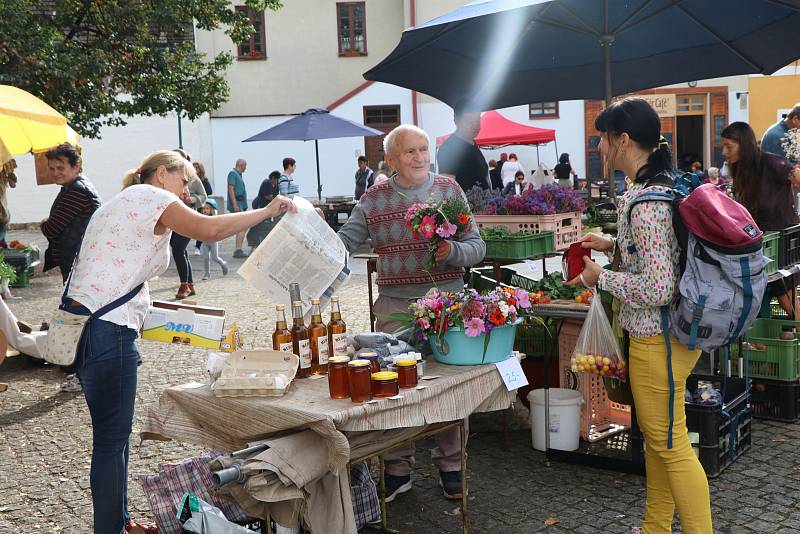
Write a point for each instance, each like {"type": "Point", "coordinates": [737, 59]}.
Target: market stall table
{"type": "Point", "coordinates": [192, 413]}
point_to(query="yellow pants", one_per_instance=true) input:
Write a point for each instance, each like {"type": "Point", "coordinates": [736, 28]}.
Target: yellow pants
{"type": "Point", "coordinates": [675, 477]}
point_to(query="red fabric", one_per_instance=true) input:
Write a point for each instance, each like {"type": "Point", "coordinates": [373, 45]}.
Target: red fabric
{"type": "Point", "coordinates": [497, 130]}
{"type": "Point", "coordinates": [714, 217]}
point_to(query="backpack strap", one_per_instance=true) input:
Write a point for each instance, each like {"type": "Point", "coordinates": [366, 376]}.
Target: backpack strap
{"type": "Point", "coordinates": [650, 196]}
{"type": "Point", "coordinates": [747, 303]}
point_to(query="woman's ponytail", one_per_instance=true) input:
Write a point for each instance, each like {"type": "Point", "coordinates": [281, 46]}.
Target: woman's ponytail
{"type": "Point", "coordinates": [132, 177]}
{"type": "Point", "coordinates": [659, 161]}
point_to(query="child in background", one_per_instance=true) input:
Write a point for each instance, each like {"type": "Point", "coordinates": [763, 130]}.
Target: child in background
{"type": "Point", "coordinates": [210, 251]}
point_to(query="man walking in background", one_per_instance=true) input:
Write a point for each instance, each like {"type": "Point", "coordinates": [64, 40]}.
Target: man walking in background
{"type": "Point", "coordinates": [237, 200]}
{"type": "Point", "coordinates": [459, 157]}
{"type": "Point", "coordinates": [364, 177]}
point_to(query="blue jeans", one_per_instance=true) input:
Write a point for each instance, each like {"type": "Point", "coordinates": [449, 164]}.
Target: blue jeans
{"type": "Point", "coordinates": [108, 377]}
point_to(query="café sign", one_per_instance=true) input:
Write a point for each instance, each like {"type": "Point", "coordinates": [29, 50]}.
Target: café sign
{"type": "Point", "coordinates": [665, 105]}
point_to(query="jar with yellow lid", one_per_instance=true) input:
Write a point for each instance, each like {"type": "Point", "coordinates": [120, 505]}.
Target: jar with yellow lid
{"type": "Point", "coordinates": [359, 373]}
{"type": "Point", "coordinates": [372, 358]}
{"type": "Point", "coordinates": [338, 381]}
{"type": "Point", "coordinates": [407, 373]}
{"type": "Point", "coordinates": [385, 384]}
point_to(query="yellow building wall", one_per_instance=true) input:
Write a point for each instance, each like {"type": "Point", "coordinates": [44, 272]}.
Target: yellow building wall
{"type": "Point", "coordinates": [768, 94]}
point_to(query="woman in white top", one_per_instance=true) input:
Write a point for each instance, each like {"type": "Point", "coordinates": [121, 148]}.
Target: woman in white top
{"type": "Point", "coordinates": [125, 245]}
{"type": "Point", "coordinates": [510, 169]}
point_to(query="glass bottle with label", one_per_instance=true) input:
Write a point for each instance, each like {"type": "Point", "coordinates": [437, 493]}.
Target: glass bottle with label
{"type": "Point", "coordinates": [318, 336]}
{"type": "Point", "coordinates": [282, 337]}
{"type": "Point", "coordinates": [337, 330]}
{"type": "Point", "coordinates": [300, 344]}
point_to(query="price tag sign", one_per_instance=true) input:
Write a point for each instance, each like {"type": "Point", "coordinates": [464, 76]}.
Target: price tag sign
{"type": "Point", "coordinates": [511, 372]}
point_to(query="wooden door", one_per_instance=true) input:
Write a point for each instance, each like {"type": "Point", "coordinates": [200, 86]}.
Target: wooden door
{"type": "Point", "coordinates": [385, 119]}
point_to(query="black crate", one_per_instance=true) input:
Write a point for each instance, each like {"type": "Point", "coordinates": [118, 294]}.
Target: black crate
{"type": "Point", "coordinates": [775, 399]}
{"type": "Point", "coordinates": [724, 430]}
{"type": "Point", "coordinates": [789, 252]}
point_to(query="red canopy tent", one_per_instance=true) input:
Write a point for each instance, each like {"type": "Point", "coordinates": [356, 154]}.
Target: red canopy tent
{"type": "Point", "coordinates": [497, 131]}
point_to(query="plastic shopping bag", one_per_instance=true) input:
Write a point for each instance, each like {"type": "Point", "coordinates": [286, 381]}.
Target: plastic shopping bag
{"type": "Point", "coordinates": [597, 351]}
{"type": "Point", "coordinates": [198, 517]}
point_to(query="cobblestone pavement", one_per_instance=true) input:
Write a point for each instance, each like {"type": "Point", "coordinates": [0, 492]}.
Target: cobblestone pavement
{"type": "Point", "coordinates": [45, 443]}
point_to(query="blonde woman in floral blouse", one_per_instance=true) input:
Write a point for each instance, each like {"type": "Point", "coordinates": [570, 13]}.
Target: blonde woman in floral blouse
{"type": "Point", "coordinates": [646, 281]}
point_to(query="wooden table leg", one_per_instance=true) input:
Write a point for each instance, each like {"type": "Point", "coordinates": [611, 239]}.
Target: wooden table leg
{"type": "Point", "coordinates": [464, 488]}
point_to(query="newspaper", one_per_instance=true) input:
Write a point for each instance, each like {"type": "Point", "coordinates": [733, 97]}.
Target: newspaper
{"type": "Point", "coordinates": [302, 248]}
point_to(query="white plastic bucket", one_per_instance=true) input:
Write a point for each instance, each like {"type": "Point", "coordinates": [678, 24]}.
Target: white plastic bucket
{"type": "Point", "coordinates": [565, 416]}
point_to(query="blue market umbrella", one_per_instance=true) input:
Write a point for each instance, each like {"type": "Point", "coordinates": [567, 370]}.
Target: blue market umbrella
{"type": "Point", "coordinates": [509, 52]}
{"type": "Point", "coordinates": [314, 124]}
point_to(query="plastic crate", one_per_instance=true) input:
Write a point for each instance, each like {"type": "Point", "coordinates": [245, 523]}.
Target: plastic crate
{"type": "Point", "coordinates": [781, 358]}
{"type": "Point", "coordinates": [23, 278]}
{"type": "Point", "coordinates": [565, 226]}
{"type": "Point", "coordinates": [600, 417]}
{"type": "Point", "coordinates": [520, 246]}
{"type": "Point", "coordinates": [771, 249]}
{"type": "Point", "coordinates": [534, 338]}
{"type": "Point", "coordinates": [508, 277]}
{"type": "Point", "coordinates": [724, 429]}
{"type": "Point", "coordinates": [789, 253]}
{"type": "Point", "coordinates": [776, 400]}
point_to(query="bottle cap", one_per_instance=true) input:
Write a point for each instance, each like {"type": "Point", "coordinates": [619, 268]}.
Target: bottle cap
{"type": "Point", "coordinates": [334, 298]}
{"type": "Point", "coordinates": [314, 301]}
{"type": "Point", "coordinates": [280, 307]}
{"type": "Point", "coordinates": [297, 303]}
{"type": "Point", "coordinates": [339, 359]}
{"type": "Point", "coordinates": [358, 363]}
{"type": "Point", "coordinates": [406, 363]}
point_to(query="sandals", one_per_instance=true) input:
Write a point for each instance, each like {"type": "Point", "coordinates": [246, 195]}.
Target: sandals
{"type": "Point", "coordinates": [140, 528]}
{"type": "Point", "coordinates": [3, 387]}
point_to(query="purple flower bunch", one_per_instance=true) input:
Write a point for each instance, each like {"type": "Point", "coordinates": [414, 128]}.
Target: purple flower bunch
{"type": "Point", "coordinates": [548, 200]}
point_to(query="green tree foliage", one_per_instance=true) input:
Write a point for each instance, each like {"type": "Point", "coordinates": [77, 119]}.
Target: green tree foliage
{"type": "Point", "coordinates": [99, 61]}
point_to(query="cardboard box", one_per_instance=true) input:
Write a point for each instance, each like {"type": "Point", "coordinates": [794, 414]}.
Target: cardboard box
{"type": "Point", "coordinates": [188, 324]}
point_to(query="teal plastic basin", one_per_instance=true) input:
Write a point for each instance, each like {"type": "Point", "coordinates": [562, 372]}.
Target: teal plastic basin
{"type": "Point", "coordinates": [465, 350]}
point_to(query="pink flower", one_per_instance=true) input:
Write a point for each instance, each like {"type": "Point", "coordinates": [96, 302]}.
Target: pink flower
{"type": "Point", "coordinates": [474, 327]}
{"type": "Point", "coordinates": [522, 298]}
{"type": "Point", "coordinates": [423, 324]}
{"type": "Point", "coordinates": [446, 229]}
{"type": "Point", "coordinates": [428, 226]}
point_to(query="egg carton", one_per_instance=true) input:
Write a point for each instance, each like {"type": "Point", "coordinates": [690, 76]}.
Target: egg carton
{"type": "Point", "coordinates": [256, 373]}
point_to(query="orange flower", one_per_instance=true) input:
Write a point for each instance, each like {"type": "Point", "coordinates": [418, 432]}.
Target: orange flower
{"type": "Point", "coordinates": [463, 218]}
{"type": "Point", "coordinates": [511, 301]}
{"type": "Point", "coordinates": [497, 317]}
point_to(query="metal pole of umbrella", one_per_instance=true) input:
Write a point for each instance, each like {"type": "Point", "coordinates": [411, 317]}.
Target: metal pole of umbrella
{"type": "Point", "coordinates": [180, 130]}
{"type": "Point", "coordinates": [606, 41]}
{"type": "Point", "coordinates": [537, 154]}
{"type": "Point", "coordinates": [319, 181]}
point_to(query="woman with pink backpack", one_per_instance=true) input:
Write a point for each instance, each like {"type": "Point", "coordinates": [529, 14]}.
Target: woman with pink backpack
{"type": "Point", "coordinates": [646, 282]}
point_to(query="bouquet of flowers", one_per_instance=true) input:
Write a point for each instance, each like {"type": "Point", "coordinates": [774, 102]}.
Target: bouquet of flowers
{"type": "Point", "coordinates": [468, 310]}
{"type": "Point", "coordinates": [791, 144]}
{"type": "Point", "coordinates": [437, 221]}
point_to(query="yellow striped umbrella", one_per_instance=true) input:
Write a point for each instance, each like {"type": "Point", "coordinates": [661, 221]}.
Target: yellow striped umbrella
{"type": "Point", "coordinates": [28, 124]}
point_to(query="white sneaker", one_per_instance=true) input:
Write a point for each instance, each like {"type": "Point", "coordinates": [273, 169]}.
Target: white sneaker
{"type": "Point", "coordinates": [196, 251]}
{"type": "Point", "coordinates": [71, 384]}
{"type": "Point", "coordinates": [206, 276]}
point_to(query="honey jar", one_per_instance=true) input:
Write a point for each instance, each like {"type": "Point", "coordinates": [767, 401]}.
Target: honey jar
{"type": "Point", "coordinates": [384, 384]}
{"type": "Point", "coordinates": [338, 381]}
{"type": "Point", "coordinates": [407, 373]}
{"type": "Point", "coordinates": [358, 372]}
{"type": "Point", "coordinates": [372, 358]}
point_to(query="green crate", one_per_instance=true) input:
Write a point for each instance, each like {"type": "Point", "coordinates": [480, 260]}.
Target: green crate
{"type": "Point", "coordinates": [533, 338]}
{"type": "Point", "coordinates": [770, 248]}
{"type": "Point", "coordinates": [520, 246]}
{"type": "Point", "coordinates": [508, 277]}
{"type": "Point", "coordinates": [23, 278]}
{"type": "Point", "coordinates": [781, 358]}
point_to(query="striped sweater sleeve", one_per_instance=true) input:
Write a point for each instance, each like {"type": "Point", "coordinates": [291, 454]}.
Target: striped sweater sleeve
{"type": "Point", "coordinates": [66, 208]}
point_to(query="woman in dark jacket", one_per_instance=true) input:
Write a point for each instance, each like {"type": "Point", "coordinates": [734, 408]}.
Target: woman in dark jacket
{"type": "Point", "coordinates": [763, 183]}
{"type": "Point", "coordinates": [71, 210]}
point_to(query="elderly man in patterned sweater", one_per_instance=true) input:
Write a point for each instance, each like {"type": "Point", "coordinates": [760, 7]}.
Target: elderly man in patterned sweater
{"type": "Point", "coordinates": [379, 215]}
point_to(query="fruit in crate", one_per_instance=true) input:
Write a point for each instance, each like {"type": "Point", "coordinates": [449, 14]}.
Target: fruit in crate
{"type": "Point", "coordinates": [585, 297]}
{"type": "Point", "coordinates": [539, 297]}
{"type": "Point", "coordinates": [605, 366]}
